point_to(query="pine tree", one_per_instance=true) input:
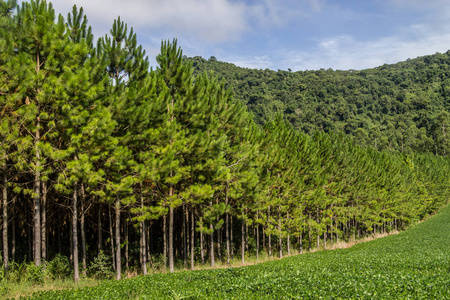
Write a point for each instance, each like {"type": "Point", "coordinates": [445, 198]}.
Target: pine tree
{"type": "Point", "coordinates": [127, 67]}
{"type": "Point", "coordinates": [8, 120]}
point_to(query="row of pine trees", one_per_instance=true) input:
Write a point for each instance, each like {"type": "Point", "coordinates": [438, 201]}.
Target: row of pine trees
{"type": "Point", "coordinates": [99, 152]}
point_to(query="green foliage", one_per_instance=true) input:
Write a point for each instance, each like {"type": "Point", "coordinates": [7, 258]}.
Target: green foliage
{"type": "Point", "coordinates": [101, 267]}
{"type": "Point", "coordinates": [58, 267]}
{"type": "Point", "coordinates": [405, 102]}
{"type": "Point", "coordinates": [35, 274]}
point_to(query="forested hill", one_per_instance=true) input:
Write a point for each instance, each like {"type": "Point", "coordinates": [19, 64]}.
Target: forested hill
{"type": "Point", "coordinates": [401, 107]}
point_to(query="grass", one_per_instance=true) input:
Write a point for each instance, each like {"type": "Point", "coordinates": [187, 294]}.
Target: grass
{"type": "Point", "coordinates": [15, 290]}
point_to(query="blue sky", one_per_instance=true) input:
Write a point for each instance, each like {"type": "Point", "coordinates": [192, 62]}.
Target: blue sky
{"type": "Point", "coordinates": [282, 34]}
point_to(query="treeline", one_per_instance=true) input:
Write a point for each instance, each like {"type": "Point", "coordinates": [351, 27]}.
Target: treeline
{"type": "Point", "coordinates": [101, 154]}
{"type": "Point", "coordinates": [402, 107]}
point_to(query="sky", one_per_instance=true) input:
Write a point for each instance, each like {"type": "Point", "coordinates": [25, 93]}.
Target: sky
{"type": "Point", "coordinates": [281, 34]}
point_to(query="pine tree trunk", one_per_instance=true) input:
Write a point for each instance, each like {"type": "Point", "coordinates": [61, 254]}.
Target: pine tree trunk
{"type": "Point", "coordinates": [288, 243]}
{"type": "Point", "coordinates": [184, 236]}
{"type": "Point", "coordinates": [211, 240]}
{"type": "Point", "coordinates": [117, 237]}
{"type": "Point", "coordinates": [100, 229]}
{"type": "Point", "coordinates": [37, 185]}
{"type": "Point", "coordinates": [243, 240]}
{"type": "Point", "coordinates": [37, 208]}
{"type": "Point", "coordinates": [59, 232]}
{"type": "Point", "coordinates": [269, 240]}
{"type": "Point", "coordinates": [280, 241]}
{"type": "Point", "coordinates": [288, 238]}
{"type": "Point", "coordinates": [143, 245]}
{"type": "Point", "coordinates": [165, 242]}
{"type": "Point", "coordinates": [227, 226]}
{"type": "Point", "coordinates": [171, 221]}
{"type": "Point", "coordinates": [231, 237]}
{"type": "Point", "coordinates": [300, 242]}
{"type": "Point", "coordinates": [44, 221]}
{"type": "Point", "coordinates": [202, 250]}
{"type": "Point", "coordinates": [83, 230]}
{"type": "Point", "coordinates": [318, 233]}
{"type": "Point", "coordinates": [263, 238]}
{"type": "Point", "coordinates": [192, 238]}
{"type": "Point", "coordinates": [127, 266]}
{"type": "Point", "coordinates": [309, 235]}
{"type": "Point", "coordinates": [257, 237]}
{"type": "Point", "coordinates": [13, 238]}
{"type": "Point", "coordinates": [113, 255]}
{"type": "Point", "coordinates": [75, 233]}
{"type": "Point", "coordinates": [5, 220]}
{"type": "Point", "coordinates": [71, 236]}
{"type": "Point", "coordinates": [219, 244]}
{"type": "Point", "coordinates": [188, 234]}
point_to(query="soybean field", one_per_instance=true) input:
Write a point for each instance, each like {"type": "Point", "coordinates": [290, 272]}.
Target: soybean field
{"type": "Point", "coordinates": [414, 264]}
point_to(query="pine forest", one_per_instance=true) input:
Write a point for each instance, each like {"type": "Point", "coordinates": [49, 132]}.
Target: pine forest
{"type": "Point", "coordinates": [107, 161]}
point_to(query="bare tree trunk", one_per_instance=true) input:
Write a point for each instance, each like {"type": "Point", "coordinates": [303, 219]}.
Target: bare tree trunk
{"type": "Point", "coordinates": [5, 220]}
{"type": "Point", "coordinates": [269, 237]}
{"type": "Point", "coordinates": [75, 233]}
{"type": "Point", "coordinates": [227, 226]}
{"type": "Point", "coordinates": [325, 239]}
{"type": "Point", "coordinates": [202, 250]}
{"type": "Point", "coordinates": [44, 221]}
{"type": "Point", "coordinates": [192, 238]}
{"type": "Point", "coordinates": [309, 235]}
{"type": "Point", "coordinates": [71, 237]}
{"type": "Point", "coordinates": [13, 241]}
{"type": "Point", "coordinates": [100, 229]}
{"type": "Point", "coordinates": [184, 236]}
{"type": "Point", "coordinates": [188, 234]}
{"type": "Point", "coordinates": [280, 241]}
{"type": "Point", "coordinates": [118, 252]}
{"type": "Point", "coordinates": [37, 183]}
{"type": "Point", "coordinates": [219, 244]}
{"type": "Point", "coordinates": [60, 221]}
{"type": "Point", "coordinates": [231, 237]}
{"type": "Point", "coordinates": [243, 240]}
{"type": "Point", "coordinates": [37, 208]}
{"type": "Point", "coordinates": [143, 245]}
{"type": "Point", "coordinates": [300, 242]}
{"type": "Point", "coordinates": [288, 238]}
{"type": "Point", "coordinates": [171, 258]}
{"type": "Point", "coordinates": [263, 238]}
{"type": "Point", "coordinates": [318, 233]}
{"type": "Point", "coordinates": [165, 241]}
{"type": "Point", "coordinates": [113, 256]}
{"type": "Point", "coordinates": [83, 230]}
{"type": "Point", "coordinates": [211, 240]}
{"type": "Point", "coordinates": [127, 266]}
{"type": "Point", "coordinates": [257, 237]}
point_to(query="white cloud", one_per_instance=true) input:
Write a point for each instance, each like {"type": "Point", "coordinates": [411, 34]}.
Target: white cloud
{"type": "Point", "coordinates": [254, 62]}
{"type": "Point", "coordinates": [281, 13]}
{"type": "Point", "coordinates": [210, 20]}
{"type": "Point", "coordinates": [346, 52]}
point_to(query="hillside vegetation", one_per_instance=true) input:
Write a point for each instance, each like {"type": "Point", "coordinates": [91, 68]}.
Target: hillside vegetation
{"type": "Point", "coordinates": [401, 107]}
{"type": "Point", "coordinates": [411, 265]}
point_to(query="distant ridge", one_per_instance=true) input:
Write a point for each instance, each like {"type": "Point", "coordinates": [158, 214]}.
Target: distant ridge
{"type": "Point", "coordinates": [402, 106]}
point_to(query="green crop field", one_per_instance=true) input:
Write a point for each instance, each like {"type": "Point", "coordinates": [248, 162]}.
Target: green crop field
{"type": "Point", "coordinates": [414, 264]}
